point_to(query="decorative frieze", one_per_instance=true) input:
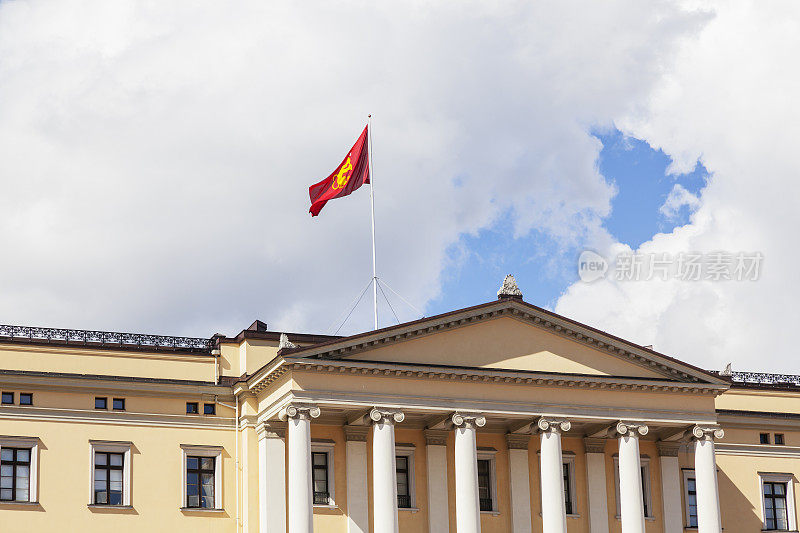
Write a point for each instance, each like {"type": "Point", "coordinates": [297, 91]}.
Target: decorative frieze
{"type": "Point", "coordinates": [356, 433]}
{"type": "Point", "coordinates": [517, 441]}
{"type": "Point", "coordinates": [271, 430]}
{"type": "Point", "coordinates": [668, 448]}
{"type": "Point", "coordinates": [594, 445]}
{"type": "Point", "coordinates": [435, 437]}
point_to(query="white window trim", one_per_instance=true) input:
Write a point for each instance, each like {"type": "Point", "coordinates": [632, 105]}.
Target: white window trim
{"type": "Point", "coordinates": [491, 456]}
{"type": "Point", "coordinates": [326, 447]}
{"type": "Point", "coordinates": [202, 451]}
{"type": "Point", "coordinates": [569, 459]}
{"type": "Point", "coordinates": [777, 477]}
{"type": "Point", "coordinates": [408, 451]}
{"type": "Point", "coordinates": [644, 461]}
{"type": "Point", "coordinates": [33, 482]}
{"type": "Point", "coordinates": [112, 447]}
{"type": "Point", "coordinates": [688, 473]}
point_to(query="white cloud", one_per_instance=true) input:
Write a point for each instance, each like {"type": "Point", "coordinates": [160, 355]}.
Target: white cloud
{"type": "Point", "coordinates": [731, 99]}
{"type": "Point", "coordinates": [676, 200]}
{"type": "Point", "coordinates": [155, 156]}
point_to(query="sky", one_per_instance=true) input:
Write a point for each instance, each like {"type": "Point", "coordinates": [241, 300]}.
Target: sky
{"type": "Point", "coordinates": [155, 159]}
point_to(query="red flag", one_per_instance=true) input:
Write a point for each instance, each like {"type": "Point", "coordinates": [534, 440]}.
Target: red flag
{"type": "Point", "coordinates": [351, 174]}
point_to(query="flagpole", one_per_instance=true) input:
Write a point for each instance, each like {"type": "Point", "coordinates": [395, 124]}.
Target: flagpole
{"type": "Point", "coordinates": [372, 206]}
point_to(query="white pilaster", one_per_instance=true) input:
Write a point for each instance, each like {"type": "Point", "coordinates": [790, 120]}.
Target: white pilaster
{"type": "Point", "coordinates": [384, 470]}
{"type": "Point", "coordinates": [519, 473]}
{"type": "Point", "coordinates": [671, 486]}
{"type": "Point", "coordinates": [596, 481]}
{"type": "Point", "coordinates": [438, 503]}
{"type": "Point", "coordinates": [357, 492]}
{"type": "Point", "coordinates": [631, 500]}
{"type": "Point", "coordinates": [468, 511]}
{"type": "Point", "coordinates": [554, 514]}
{"type": "Point", "coordinates": [272, 477]}
{"type": "Point", "coordinates": [301, 492]}
{"type": "Point", "coordinates": [705, 472]}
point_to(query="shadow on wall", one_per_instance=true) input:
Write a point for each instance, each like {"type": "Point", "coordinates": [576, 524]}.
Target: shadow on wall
{"type": "Point", "coordinates": [738, 513]}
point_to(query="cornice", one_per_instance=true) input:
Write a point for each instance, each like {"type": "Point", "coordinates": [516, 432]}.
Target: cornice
{"type": "Point", "coordinates": [43, 414]}
{"type": "Point", "coordinates": [521, 311]}
{"type": "Point", "coordinates": [477, 375]}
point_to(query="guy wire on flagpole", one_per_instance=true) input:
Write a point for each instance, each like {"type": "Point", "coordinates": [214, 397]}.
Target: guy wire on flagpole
{"type": "Point", "coordinates": [372, 205]}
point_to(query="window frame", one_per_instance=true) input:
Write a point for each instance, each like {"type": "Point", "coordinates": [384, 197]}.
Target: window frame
{"type": "Point", "coordinates": [3, 398]}
{"type": "Point", "coordinates": [213, 407]}
{"type": "Point", "coordinates": [29, 395]}
{"type": "Point", "coordinates": [408, 453]}
{"type": "Point", "coordinates": [762, 437]}
{"type": "Point", "coordinates": [647, 492]}
{"type": "Point", "coordinates": [688, 474]}
{"type": "Point", "coordinates": [328, 449]}
{"type": "Point", "coordinates": [779, 437]}
{"type": "Point", "coordinates": [196, 408]}
{"type": "Point", "coordinates": [193, 450]}
{"type": "Point", "coordinates": [105, 403]}
{"type": "Point", "coordinates": [113, 404]}
{"type": "Point", "coordinates": [33, 471]}
{"type": "Point", "coordinates": [791, 512]}
{"type": "Point", "coordinates": [105, 446]}
{"type": "Point", "coordinates": [491, 456]}
{"type": "Point", "coordinates": [568, 460]}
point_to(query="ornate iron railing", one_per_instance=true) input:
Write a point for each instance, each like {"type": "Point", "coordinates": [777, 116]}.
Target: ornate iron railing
{"type": "Point", "coordinates": [105, 337]}
{"type": "Point", "coordinates": [765, 379]}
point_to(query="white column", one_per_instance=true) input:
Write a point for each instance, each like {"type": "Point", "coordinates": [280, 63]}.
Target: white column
{"type": "Point", "coordinates": [468, 510]}
{"type": "Point", "coordinates": [671, 486]}
{"type": "Point", "coordinates": [519, 473]}
{"type": "Point", "coordinates": [438, 503]}
{"type": "Point", "coordinates": [631, 501]}
{"type": "Point", "coordinates": [384, 470]}
{"type": "Point", "coordinates": [705, 473]}
{"type": "Point", "coordinates": [596, 482]}
{"type": "Point", "coordinates": [357, 492]}
{"type": "Point", "coordinates": [554, 514]}
{"type": "Point", "coordinates": [301, 493]}
{"type": "Point", "coordinates": [272, 477]}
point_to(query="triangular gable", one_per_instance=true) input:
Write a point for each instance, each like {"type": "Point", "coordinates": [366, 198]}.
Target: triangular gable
{"type": "Point", "coordinates": [508, 334]}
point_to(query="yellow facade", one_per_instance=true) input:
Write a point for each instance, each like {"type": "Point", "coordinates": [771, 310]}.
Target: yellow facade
{"type": "Point", "coordinates": [509, 361]}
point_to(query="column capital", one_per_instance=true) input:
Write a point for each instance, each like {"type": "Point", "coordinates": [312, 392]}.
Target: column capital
{"type": "Point", "coordinates": [468, 420]}
{"type": "Point", "coordinates": [707, 433]}
{"type": "Point", "coordinates": [380, 415]}
{"type": "Point", "coordinates": [356, 433]}
{"type": "Point", "coordinates": [632, 429]}
{"type": "Point", "coordinates": [517, 441]}
{"type": "Point", "coordinates": [594, 445]}
{"type": "Point", "coordinates": [668, 448]}
{"type": "Point", "coordinates": [301, 411]}
{"type": "Point", "coordinates": [553, 425]}
{"type": "Point", "coordinates": [271, 430]}
{"type": "Point", "coordinates": [435, 437]}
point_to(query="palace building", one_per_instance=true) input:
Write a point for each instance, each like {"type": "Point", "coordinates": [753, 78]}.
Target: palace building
{"type": "Point", "coordinates": [498, 418]}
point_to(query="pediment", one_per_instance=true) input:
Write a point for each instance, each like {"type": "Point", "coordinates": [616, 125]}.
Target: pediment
{"type": "Point", "coordinates": [508, 335]}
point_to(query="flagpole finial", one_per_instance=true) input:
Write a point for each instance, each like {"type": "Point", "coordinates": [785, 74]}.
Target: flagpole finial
{"type": "Point", "coordinates": [509, 289]}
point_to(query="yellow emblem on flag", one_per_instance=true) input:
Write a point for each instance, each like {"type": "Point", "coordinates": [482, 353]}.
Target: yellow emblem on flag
{"type": "Point", "coordinates": [343, 176]}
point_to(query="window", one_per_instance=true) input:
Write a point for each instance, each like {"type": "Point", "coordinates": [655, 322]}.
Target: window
{"type": "Point", "coordinates": [118, 404]}
{"type": "Point", "coordinates": [200, 482]}
{"type": "Point", "coordinates": [101, 403]}
{"type": "Point", "coordinates": [777, 502]}
{"type": "Point", "coordinates": [763, 438]}
{"type": "Point", "coordinates": [690, 497]}
{"type": "Point", "coordinates": [191, 408]}
{"type": "Point", "coordinates": [8, 398]}
{"type": "Point", "coordinates": [209, 408]}
{"type": "Point", "coordinates": [202, 475]}
{"type": "Point", "coordinates": [570, 505]}
{"type": "Point", "coordinates": [646, 501]}
{"type": "Point", "coordinates": [487, 481]}
{"type": "Point", "coordinates": [108, 478]}
{"type": "Point", "coordinates": [319, 461]}
{"type": "Point", "coordinates": [15, 474]}
{"type": "Point", "coordinates": [404, 463]}
{"type": "Point", "coordinates": [111, 473]}
{"type": "Point", "coordinates": [778, 436]}
{"type": "Point", "coordinates": [26, 398]}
